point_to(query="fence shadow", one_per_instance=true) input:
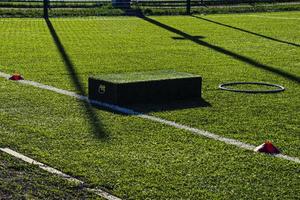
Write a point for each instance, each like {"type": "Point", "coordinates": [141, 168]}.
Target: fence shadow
{"type": "Point", "coordinates": [246, 31]}
{"type": "Point", "coordinates": [233, 55]}
{"type": "Point", "coordinates": [91, 115]}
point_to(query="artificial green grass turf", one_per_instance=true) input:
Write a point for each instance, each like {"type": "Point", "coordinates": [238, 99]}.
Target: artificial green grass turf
{"type": "Point", "coordinates": [118, 45]}
{"type": "Point", "coordinates": [144, 76]}
{"type": "Point", "coordinates": [138, 159]}
{"type": "Point", "coordinates": [19, 180]}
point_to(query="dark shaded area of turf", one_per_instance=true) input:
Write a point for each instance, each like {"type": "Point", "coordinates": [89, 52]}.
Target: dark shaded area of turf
{"type": "Point", "coordinates": [95, 122]}
{"type": "Point", "coordinates": [19, 180]}
{"type": "Point", "coordinates": [197, 37]}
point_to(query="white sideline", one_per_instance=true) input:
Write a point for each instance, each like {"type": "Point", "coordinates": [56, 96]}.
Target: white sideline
{"type": "Point", "coordinates": [260, 16]}
{"type": "Point", "coordinates": [71, 19]}
{"type": "Point", "coordinates": [99, 192]}
{"type": "Point", "coordinates": [151, 118]}
{"type": "Point", "coordinates": [273, 17]}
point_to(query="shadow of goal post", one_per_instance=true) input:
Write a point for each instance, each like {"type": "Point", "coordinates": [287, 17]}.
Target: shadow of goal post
{"type": "Point", "coordinates": [46, 7]}
{"type": "Point", "coordinates": [188, 7]}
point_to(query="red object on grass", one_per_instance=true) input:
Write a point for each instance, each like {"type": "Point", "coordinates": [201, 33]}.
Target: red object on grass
{"type": "Point", "coordinates": [267, 147]}
{"type": "Point", "coordinates": [16, 77]}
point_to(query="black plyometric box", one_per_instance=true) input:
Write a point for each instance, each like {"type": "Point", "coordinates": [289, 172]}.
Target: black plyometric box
{"type": "Point", "coordinates": [144, 87]}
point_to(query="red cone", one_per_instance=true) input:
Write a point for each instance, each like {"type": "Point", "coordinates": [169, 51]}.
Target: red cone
{"type": "Point", "coordinates": [16, 77]}
{"type": "Point", "coordinates": [267, 147]}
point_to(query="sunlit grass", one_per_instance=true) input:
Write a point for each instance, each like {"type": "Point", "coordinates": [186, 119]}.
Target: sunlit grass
{"type": "Point", "coordinates": [137, 159]}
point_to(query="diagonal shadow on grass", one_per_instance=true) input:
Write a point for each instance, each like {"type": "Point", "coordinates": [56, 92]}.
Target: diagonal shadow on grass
{"type": "Point", "coordinates": [234, 55]}
{"type": "Point", "coordinates": [91, 114]}
{"type": "Point", "coordinates": [246, 31]}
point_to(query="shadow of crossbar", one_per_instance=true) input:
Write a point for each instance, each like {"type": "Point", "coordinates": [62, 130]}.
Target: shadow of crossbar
{"type": "Point", "coordinates": [246, 31]}
{"type": "Point", "coordinates": [216, 48]}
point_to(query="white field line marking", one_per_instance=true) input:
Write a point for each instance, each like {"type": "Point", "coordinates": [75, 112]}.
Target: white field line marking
{"type": "Point", "coordinates": [5, 75]}
{"type": "Point", "coordinates": [151, 118]}
{"type": "Point", "coordinates": [97, 19]}
{"type": "Point", "coordinates": [260, 16]}
{"type": "Point", "coordinates": [99, 192]}
{"type": "Point", "coordinates": [273, 17]}
{"type": "Point", "coordinates": [70, 19]}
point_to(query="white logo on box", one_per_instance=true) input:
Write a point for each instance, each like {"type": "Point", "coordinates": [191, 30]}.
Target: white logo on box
{"type": "Point", "coordinates": [101, 89]}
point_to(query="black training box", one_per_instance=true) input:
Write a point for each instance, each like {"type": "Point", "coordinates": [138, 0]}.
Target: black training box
{"type": "Point", "coordinates": [144, 87]}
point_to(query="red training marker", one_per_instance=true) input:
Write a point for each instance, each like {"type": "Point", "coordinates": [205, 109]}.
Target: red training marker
{"type": "Point", "coordinates": [16, 77]}
{"type": "Point", "coordinates": [267, 147]}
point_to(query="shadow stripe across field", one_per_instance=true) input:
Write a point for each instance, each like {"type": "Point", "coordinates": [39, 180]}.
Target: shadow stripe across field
{"type": "Point", "coordinates": [224, 51]}
{"type": "Point", "coordinates": [246, 31]}
{"type": "Point", "coordinates": [93, 119]}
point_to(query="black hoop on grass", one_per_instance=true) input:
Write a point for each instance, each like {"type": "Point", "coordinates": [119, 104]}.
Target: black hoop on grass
{"type": "Point", "coordinates": [279, 87]}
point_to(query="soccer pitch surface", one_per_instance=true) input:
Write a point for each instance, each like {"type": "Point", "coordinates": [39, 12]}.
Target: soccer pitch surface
{"type": "Point", "coordinates": [132, 157]}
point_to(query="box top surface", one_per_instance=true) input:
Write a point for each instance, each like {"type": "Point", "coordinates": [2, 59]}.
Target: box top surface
{"type": "Point", "coordinates": [144, 76]}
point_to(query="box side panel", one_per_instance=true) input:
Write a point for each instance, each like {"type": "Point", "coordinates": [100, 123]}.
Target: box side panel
{"type": "Point", "coordinates": [159, 91]}
{"type": "Point", "coordinates": [102, 91]}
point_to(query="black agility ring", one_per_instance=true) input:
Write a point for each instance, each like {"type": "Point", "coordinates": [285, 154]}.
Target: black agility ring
{"type": "Point", "coordinates": [279, 87]}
